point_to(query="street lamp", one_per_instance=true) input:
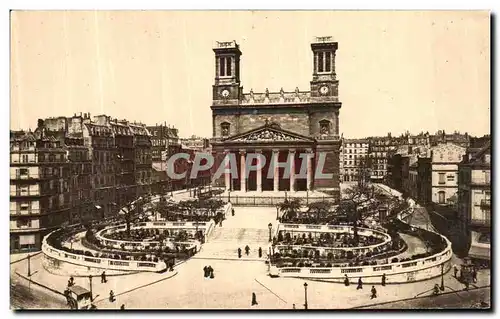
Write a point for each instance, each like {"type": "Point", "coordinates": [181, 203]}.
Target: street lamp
{"type": "Point", "coordinates": [305, 295]}
{"type": "Point", "coordinates": [270, 226]}
{"type": "Point", "coordinates": [90, 282]}
{"type": "Point", "coordinates": [442, 277]}
{"type": "Point", "coordinates": [29, 265]}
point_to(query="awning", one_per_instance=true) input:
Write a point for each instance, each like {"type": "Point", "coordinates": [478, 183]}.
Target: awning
{"type": "Point", "coordinates": [479, 252]}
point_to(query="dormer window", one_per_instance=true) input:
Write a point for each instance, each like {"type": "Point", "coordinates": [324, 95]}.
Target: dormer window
{"type": "Point", "coordinates": [324, 127]}
{"type": "Point", "coordinates": [225, 128]}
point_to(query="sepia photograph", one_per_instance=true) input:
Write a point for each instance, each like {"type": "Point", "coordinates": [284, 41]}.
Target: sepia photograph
{"type": "Point", "coordinates": [250, 160]}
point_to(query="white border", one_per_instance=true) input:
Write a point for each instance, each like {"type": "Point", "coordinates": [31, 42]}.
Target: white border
{"type": "Point", "coordinates": [198, 5]}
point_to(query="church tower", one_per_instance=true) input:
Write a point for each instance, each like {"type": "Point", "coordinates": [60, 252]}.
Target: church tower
{"type": "Point", "coordinates": [324, 84]}
{"type": "Point", "coordinates": [226, 88]}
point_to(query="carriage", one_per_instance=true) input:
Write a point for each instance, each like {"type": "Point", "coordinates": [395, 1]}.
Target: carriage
{"type": "Point", "coordinates": [78, 298]}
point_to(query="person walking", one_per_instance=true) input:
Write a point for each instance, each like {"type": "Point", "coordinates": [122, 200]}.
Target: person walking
{"type": "Point", "coordinates": [239, 252]}
{"type": "Point", "coordinates": [103, 278]}
{"type": "Point", "coordinates": [346, 281]}
{"type": "Point", "coordinates": [436, 290]}
{"type": "Point", "coordinates": [111, 296]}
{"type": "Point", "coordinates": [455, 271]}
{"type": "Point", "coordinates": [374, 292]}
{"type": "Point", "coordinates": [293, 306]}
{"type": "Point", "coordinates": [474, 274]}
{"type": "Point", "coordinates": [254, 299]}
{"type": "Point", "coordinates": [205, 271]}
{"type": "Point", "coordinates": [211, 270]}
{"type": "Point", "coordinates": [122, 307]}
{"type": "Point", "coordinates": [260, 252]}
{"type": "Point", "coordinates": [360, 284]}
{"type": "Point", "coordinates": [383, 279]}
{"type": "Point", "coordinates": [247, 250]}
{"type": "Point", "coordinates": [232, 211]}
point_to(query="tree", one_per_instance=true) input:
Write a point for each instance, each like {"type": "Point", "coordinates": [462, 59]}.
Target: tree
{"type": "Point", "coordinates": [290, 207]}
{"type": "Point", "coordinates": [320, 209]}
{"type": "Point", "coordinates": [358, 197]}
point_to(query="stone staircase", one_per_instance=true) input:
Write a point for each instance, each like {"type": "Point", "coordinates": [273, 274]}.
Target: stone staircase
{"type": "Point", "coordinates": [224, 244]}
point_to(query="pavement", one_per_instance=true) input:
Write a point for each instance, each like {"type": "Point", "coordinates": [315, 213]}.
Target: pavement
{"type": "Point", "coordinates": [236, 279]}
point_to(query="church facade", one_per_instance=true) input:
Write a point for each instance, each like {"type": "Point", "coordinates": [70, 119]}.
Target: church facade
{"type": "Point", "coordinates": [282, 126]}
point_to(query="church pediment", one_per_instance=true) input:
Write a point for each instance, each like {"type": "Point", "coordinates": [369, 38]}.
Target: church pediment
{"type": "Point", "coordinates": [269, 133]}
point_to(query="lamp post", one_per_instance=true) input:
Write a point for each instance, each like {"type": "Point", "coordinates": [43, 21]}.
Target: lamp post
{"type": "Point", "coordinates": [442, 277]}
{"type": "Point", "coordinates": [29, 265]}
{"type": "Point", "coordinates": [90, 284]}
{"type": "Point", "coordinates": [305, 295]}
{"type": "Point", "coordinates": [270, 226]}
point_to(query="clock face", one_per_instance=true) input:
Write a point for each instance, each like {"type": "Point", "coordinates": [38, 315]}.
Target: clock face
{"type": "Point", "coordinates": [225, 93]}
{"type": "Point", "coordinates": [324, 90]}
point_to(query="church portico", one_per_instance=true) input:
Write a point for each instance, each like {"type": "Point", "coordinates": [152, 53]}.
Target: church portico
{"type": "Point", "coordinates": [276, 141]}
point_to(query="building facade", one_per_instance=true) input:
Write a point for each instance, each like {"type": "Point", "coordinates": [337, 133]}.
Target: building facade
{"type": "Point", "coordinates": [445, 160]}
{"type": "Point", "coordinates": [286, 124]}
{"type": "Point", "coordinates": [354, 162]}
{"type": "Point", "coordinates": [39, 189]}
{"type": "Point", "coordinates": [475, 200]}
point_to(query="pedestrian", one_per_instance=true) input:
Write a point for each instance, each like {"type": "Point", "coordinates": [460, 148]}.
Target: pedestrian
{"type": "Point", "coordinates": [455, 271]}
{"type": "Point", "coordinates": [71, 281]}
{"type": "Point", "coordinates": [474, 274]}
{"type": "Point", "coordinates": [374, 292]}
{"type": "Point", "coordinates": [103, 278]}
{"type": "Point", "coordinates": [247, 250]}
{"type": "Point", "coordinates": [232, 211]}
{"type": "Point", "coordinates": [436, 289]}
{"type": "Point", "coordinates": [254, 299]}
{"type": "Point", "coordinates": [239, 252]}
{"type": "Point", "coordinates": [122, 307]}
{"type": "Point", "coordinates": [346, 281]}
{"type": "Point", "coordinates": [360, 284]}
{"type": "Point", "coordinates": [205, 271]}
{"type": "Point", "coordinates": [260, 252]}
{"type": "Point", "coordinates": [111, 296]}
{"type": "Point", "coordinates": [293, 306]}
{"type": "Point", "coordinates": [383, 279]}
{"type": "Point", "coordinates": [211, 270]}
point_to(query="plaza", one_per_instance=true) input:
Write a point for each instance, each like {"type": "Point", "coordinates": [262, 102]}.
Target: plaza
{"type": "Point", "coordinates": [235, 279]}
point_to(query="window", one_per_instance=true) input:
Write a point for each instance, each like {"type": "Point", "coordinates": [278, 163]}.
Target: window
{"type": "Point", "coordinates": [225, 128]}
{"type": "Point", "coordinates": [23, 223]}
{"type": "Point", "coordinates": [320, 62]}
{"type": "Point", "coordinates": [222, 66]}
{"type": "Point", "coordinates": [228, 66]}
{"type": "Point", "coordinates": [441, 197]}
{"type": "Point", "coordinates": [25, 158]}
{"type": "Point", "coordinates": [324, 126]}
{"type": "Point", "coordinates": [441, 178]}
{"type": "Point", "coordinates": [487, 177]}
{"type": "Point", "coordinates": [328, 61]}
{"type": "Point", "coordinates": [450, 178]}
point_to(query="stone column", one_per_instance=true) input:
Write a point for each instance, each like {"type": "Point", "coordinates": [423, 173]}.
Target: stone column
{"type": "Point", "coordinates": [309, 169]}
{"type": "Point", "coordinates": [227, 175]}
{"type": "Point", "coordinates": [259, 172]}
{"type": "Point", "coordinates": [292, 170]}
{"type": "Point", "coordinates": [276, 170]}
{"type": "Point", "coordinates": [243, 179]}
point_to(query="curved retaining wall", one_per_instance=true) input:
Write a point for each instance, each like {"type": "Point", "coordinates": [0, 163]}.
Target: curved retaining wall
{"type": "Point", "coordinates": [402, 272]}
{"type": "Point", "coordinates": [61, 262]}
{"type": "Point", "coordinates": [100, 263]}
{"type": "Point", "coordinates": [335, 229]}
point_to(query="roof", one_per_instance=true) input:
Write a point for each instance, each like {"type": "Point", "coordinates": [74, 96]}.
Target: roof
{"type": "Point", "coordinates": [78, 290]}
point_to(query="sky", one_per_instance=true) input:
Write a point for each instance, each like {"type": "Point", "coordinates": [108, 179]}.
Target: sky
{"type": "Point", "coordinates": [398, 71]}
